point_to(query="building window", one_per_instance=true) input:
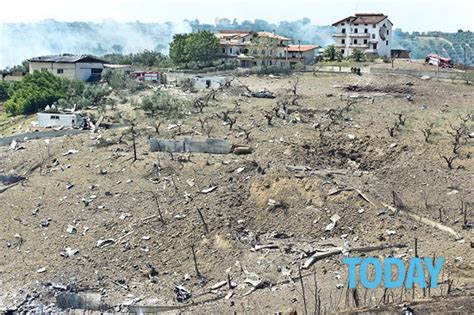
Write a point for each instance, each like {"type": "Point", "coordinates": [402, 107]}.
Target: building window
{"type": "Point", "coordinates": [365, 41]}
{"type": "Point", "coordinates": [355, 41]}
{"type": "Point", "coordinates": [356, 24]}
{"type": "Point", "coordinates": [342, 51]}
{"type": "Point", "coordinates": [223, 50]}
{"type": "Point", "coordinates": [230, 50]}
{"type": "Point", "coordinates": [343, 41]}
{"type": "Point", "coordinates": [44, 69]}
{"type": "Point", "coordinates": [270, 63]}
{"type": "Point", "coordinates": [373, 36]}
{"type": "Point", "coordinates": [387, 32]}
{"type": "Point", "coordinates": [365, 24]}
{"type": "Point", "coordinates": [343, 31]}
{"type": "Point", "coordinates": [60, 71]}
{"type": "Point", "coordinates": [374, 25]}
{"type": "Point", "coordinates": [356, 30]}
{"type": "Point", "coordinates": [53, 117]}
{"type": "Point", "coordinates": [386, 42]}
{"type": "Point", "coordinates": [366, 30]}
{"type": "Point", "coordinates": [375, 46]}
{"type": "Point", "coordinates": [342, 24]}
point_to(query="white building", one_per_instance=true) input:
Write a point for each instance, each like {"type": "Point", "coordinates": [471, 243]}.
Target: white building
{"type": "Point", "coordinates": [61, 119]}
{"type": "Point", "coordinates": [369, 32]}
{"type": "Point", "coordinates": [85, 68]}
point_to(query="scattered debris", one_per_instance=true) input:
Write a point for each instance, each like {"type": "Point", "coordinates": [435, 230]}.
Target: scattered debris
{"type": "Point", "coordinates": [105, 243]}
{"type": "Point", "coordinates": [182, 294]}
{"type": "Point", "coordinates": [333, 223]}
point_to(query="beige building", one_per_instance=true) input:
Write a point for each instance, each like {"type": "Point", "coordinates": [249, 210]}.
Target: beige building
{"type": "Point", "coordinates": [85, 68]}
{"type": "Point", "coordinates": [301, 54]}
{"type": "Point", "coordinates": [369, 32]}
{"type": "Point", "coordinates": [240, 48]}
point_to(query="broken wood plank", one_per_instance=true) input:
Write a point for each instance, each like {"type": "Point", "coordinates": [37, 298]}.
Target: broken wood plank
{"type": "Point", "coordinates": [338, 250]}
{"type": "Point", "coordinates": [426, 221]}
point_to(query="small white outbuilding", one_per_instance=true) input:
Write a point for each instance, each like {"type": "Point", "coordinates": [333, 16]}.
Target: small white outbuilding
{"type": "Point", "coordinates": [61, 119]}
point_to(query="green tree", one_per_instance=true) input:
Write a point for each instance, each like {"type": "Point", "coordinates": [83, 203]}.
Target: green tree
{"type": "Point", "coordinates": [264, 48]}
{"type": "Point", "coordinates": [5, 90]}
{"type": "Point", "coordinates": [330, 53]}
{"type": "Point", "coordinates": [358, 55]}
{"type": "Point", "coordinates": [34, 92]}
{"type": "Point", "coordinates": [178, 49]}
{"type": "Point", "coordinates": [198, 48]}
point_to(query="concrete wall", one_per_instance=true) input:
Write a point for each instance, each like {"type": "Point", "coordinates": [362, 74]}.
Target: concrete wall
{"type": "Point", "coordinates": [79, 71]}
{"type": "Point", "coordinates": [60, 119]}
{"type": "Point", "coordinates": [215, 146]}
{"type": "Point", "coordinates": [209, 82]}
{"type": "Point", "coordinates": [66, 70]}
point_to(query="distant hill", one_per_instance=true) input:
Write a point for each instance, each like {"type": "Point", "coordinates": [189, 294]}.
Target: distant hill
{"type": "Point", "coordinates": [457, 46]}
{"type": "Point", "coordinates": [20, 41]}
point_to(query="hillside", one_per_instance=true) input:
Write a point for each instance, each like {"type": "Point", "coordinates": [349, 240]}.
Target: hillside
{"type": "Point", "coordinates": [457, 46]}
{"type": "Point", "coordinates": [341, 165]}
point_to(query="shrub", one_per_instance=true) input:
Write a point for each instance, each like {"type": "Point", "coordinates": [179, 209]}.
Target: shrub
{"type": "Point", "coordinates": [34, 92]}
{"type": "Point", "coordinates": [162, 103]}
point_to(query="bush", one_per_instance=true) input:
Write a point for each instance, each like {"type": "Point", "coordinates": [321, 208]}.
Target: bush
{"type": "Point", "coordinates": [162, 103]}
{"type": "Point", "coordinates": [6, 89]}
{"type": "Point", "coordinates": [358, 55]}
{"type": "Point", "coordinates": [119, 80]}
{"type": "Point", "coordinates": [34, 92]}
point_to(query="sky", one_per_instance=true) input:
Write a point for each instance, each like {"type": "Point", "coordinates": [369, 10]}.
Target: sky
{"type": "Point", "coordinates": [410, 15]}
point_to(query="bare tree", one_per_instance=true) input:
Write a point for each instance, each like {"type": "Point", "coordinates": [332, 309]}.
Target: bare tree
{"type": "Point", "coordinates": [401, 119]}
{"type": "Point", "coordinates": [231, 121]}
{"type": "Point", "coordinates": [246, 131]}
{"type": "Point", "coordinates": [457, 135]}
{"type": "Point", "coordinates": [449, 160]}
{"type": "Point", "coordinates": [269, 116]}
{"type": "Point", "coordinates": [427, 132]}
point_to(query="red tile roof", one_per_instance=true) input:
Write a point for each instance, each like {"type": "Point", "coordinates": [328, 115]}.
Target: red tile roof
{"type": "Point", "coordinates": [364, 18]}
{"type": "Point", "coordinates": [301, 48]}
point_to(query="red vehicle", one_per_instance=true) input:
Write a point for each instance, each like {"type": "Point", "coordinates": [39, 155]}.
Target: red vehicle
{"type": "Point", "coordinates": [152, 76]}
{"type": "Point", "coordinates": [435, 60]}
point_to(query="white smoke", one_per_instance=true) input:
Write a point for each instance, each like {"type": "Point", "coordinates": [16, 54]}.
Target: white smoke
{"type": "Point", "coordinates": [20, 41]}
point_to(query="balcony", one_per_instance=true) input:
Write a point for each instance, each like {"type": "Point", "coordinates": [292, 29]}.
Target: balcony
{"type": "Point", "coordinates": [340, 45]}
{"type": "Point", "coordinates": [359, 46]}
{"type": "Point", "coordinates": [359, 35]}
{"type": "Point", "coordinates": [339, 35]}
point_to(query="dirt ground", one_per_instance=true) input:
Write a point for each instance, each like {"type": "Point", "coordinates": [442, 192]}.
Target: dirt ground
{"type": "Point", "coordinates": [324, 158]}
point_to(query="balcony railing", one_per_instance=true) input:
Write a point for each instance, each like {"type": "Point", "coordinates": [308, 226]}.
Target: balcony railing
{"type": "Point", "coordinates": [358, 45]}
{"type": "Point", "coordinates": [359, 35]}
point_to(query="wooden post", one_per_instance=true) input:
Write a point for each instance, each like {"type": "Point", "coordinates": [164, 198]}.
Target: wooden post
{"type": "Point", "coordinates": [198, 274]}
{"type": "Point", "coordinates": [302, 289]}
{"type": "Point", "coordinates": [204, 224]}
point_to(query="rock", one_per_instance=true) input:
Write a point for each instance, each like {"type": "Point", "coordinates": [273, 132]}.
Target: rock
{"type": "Point", "coordinates": [41, 270]}
{"type": "Point", "coordinates": [351, 136]}
{"type": "Point", "coordinates": [425, 78]}
{"type": "Point", "coordinates": [69, 252]}
{"type": "Point", "coordinates": [71, 229]}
